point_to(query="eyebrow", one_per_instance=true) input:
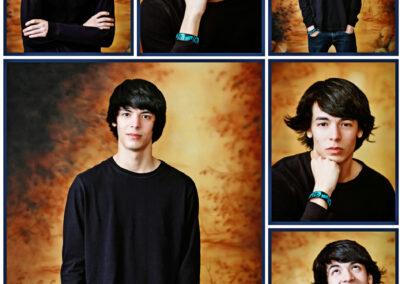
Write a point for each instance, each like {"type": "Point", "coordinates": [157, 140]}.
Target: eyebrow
{"type": "Point", "coordinates": [333, 266]}
{"type": "Point", "coordinates": [325, 118]}
{"type": "Point", "coordinates": [141, 111]}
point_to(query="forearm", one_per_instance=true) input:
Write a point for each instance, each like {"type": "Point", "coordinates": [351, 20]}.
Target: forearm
{"type": "Point", "coordinates": [314, 212]}
{"type": "Point", "coordinates": [76, 33]}
{"type": "Point", "coordinates": [307, 13]}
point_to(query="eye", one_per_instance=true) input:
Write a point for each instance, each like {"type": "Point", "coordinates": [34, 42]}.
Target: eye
{"type": "Point", "coordinates": [322, 124]}
{"type": "Point", "coordinates": [356, 267]}
{"type": "Point", "coordinates": [125, 114]}
{"type": "Point", "coordinates": [146, 116]}
{"type": "Point", "coordinates": [335, 271]}
{"type": "Point", "coordinates": [347, 124]}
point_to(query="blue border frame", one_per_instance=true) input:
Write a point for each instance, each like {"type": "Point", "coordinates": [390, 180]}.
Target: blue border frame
{"type": "Point", "coordinates": [262, 53]}
{"type": "Point", "coordinates": [334, 230]}
{"type": "Point", "coordinates": [396, 53]}
{"type": "Point", "coordinates": [25, 60]}
{"type": "Point", "coordinates": [271, 61]}
{"type": "Point", "coordinates": [6, 53]}
{"type": "Point", "coordinates": [5, 173]}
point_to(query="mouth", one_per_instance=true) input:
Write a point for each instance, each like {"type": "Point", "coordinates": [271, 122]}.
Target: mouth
{"type": "Point", "coordinates": [134, 136]}
{"type": "Point", "coordinates": [334, 150]}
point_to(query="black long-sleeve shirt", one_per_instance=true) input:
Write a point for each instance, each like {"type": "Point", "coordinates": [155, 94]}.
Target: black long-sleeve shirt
{"type": "Point", "coordinates": [368, 197]}
{"type": "Point", "coordinates": [332, 15]}
{"type": "Point", "coordinates": [227, 26]}
{"type": "Point", "coordinates": [122, 227]}
{"type": "Point", "coordinates": [66, 31]}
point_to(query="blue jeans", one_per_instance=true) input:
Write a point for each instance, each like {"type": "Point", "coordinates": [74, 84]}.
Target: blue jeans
{"type": "Point", "coordinates": [342, 41]}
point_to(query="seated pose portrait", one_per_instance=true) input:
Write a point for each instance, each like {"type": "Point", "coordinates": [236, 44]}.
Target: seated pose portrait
{"type": "Point", "coordinates": [200, 26]}
{"type": "Point", "coordinates": [345, 261]}
{"type": "Point", "coordinates": [333, 119]}
{"type": "Point", "coordinates": [67, 26]}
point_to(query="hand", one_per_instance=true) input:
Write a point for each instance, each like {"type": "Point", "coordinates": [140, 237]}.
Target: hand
{"type": "Point", "coordinates": [36, 28]}
{"type": "Point", "coordinates": [326, 174]}
{"type": "Point", "coordinates": [100, 21]}
{"type": "Point", "coordinates": [314, 34]}
{"type": "Point", "coordinates": [349, 29]}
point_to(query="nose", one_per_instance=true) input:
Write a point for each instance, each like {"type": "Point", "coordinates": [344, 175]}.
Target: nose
{"type": "Point", "coordinates": [135, 121]}
{"type": "Point", "coordinates": [334, 133]}
{"type": "Point", "coordinates": [347, 276]}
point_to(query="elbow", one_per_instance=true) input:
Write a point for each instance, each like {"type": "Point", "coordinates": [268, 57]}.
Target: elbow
{"type": "Point", "coordinates": [107, 37]}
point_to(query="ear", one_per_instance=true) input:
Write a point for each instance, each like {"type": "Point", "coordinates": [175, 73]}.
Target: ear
{"type": "Point", "coordinates": [370, 279]}
{"type": "Point", "coordinates": [114, 124]}
{"type": "Point", "coordinates": [359, 133]}
{"type": "Point", "coordinates": [309, 133]}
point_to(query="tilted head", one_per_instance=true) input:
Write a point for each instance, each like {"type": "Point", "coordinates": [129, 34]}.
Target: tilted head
{"type": "Point", "coordinates": [141, 94]}
{"type": "Point", "coordinates": [345, 261]}
{"type": "Point", "coordinates": [337, 97]}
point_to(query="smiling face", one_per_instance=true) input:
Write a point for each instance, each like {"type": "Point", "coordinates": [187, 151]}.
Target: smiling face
{"type": "Point", "coordinates": [347, 272]}
{"type": "Point", "coordinates": [334, 138]}
{"type": "Point", "coordinates": [135, 129]}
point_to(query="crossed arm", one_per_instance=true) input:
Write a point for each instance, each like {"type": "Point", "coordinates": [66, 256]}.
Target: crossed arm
{"type": "Point", "coordinates": [98, 30]}
{"type": "Point", "coordinates": [39, 27]}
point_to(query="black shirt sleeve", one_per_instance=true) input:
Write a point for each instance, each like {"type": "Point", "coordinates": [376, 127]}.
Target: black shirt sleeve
{"type": "Point", "coordinates": [158, 28]}
{"type": "Point", "coordinates": [73, 266]}
{"type": "Point", "coordinates": [355, 8]}
{"type": "Point", "coordinates": [288, 201]}
{"type": "Point", "coordinates": [189, 271]}
{"type": "Point", "coordinates": [68, 32]}
{"type": "Point", "coordinates": [306, 11]}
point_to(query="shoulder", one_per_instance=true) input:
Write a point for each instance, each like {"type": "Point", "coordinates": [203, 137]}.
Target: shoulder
{"type": "Point", "coordinates": [293, 162]}
{"type": "Point", "coordinates": [373, 178]}
{"type": "Point", "coordinates": [95, 172]}
{"type": "Point", "coordinates": [175, 175]}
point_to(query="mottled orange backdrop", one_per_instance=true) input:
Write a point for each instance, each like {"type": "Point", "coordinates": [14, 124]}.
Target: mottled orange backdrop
{"type": "Point", "coordinates": [293, 253]}
{"type": "Point", "coordinates": [122, 38]}
{"type": "Point", "coordinates": [56, 128]}
{"type": "Point", "coordinates": [289, 81]}
{"type": "Point", "coordinates": [375, 30]}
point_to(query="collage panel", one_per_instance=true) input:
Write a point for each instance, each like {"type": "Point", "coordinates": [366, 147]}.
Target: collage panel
{"type": "Point", "coordinates": [213, 27]}
{"type": "Point", "coordinates": [369, 27]}
{"type": "Point", "coordinates": [333, 142]}
{"type": "Point", "coordinates": [59, 123]}
{"type": "Point", "coordinates": [335, 256]}
{"type": "Point", "coordinates": [38, 27]}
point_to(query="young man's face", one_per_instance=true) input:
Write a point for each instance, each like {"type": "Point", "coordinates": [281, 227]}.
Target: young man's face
{"type": "Point", "coordinates": [347, 272]}
{"type": "Point", "coordinates": [134, 128]}
{"type": "Point", "coordinates": [334, 137]}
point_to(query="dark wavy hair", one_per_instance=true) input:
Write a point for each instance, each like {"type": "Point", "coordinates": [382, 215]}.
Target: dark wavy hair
{"type": "Point", "coordinates": [142, 94]}
{"type": "Point", "coordinates": [337, 97]}
{"type": "Point", "coordinates": [344, 251]}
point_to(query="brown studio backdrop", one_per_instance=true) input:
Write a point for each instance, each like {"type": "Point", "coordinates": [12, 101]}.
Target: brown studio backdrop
{"type": "Point", "coordinates": [293, 253]}
{"type": "Point", "coordinates": [377, 80]}
{"type": "Point", "coordinates": [213, 134]}
{"type": "Point", "coordinates": [122, 38]}
{"type": "Point", "coordinates": [375, 30]}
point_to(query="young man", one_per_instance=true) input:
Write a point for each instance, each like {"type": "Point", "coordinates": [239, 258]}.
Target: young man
{"type": "Point", "coordinates": [330, 23]}
{"type": "Point", "coordinates": [345, 262]}
{"type": "Point", "coordinates": [333, 119]}
{"type": "Point", "coordinates": [132, 218]}
{"type": "Point", "coordinates": [67, 26]}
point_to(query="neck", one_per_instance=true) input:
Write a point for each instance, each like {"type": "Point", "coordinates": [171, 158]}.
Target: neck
{"type": "Point", "coordinates": [136, 161]}
{"type": "Point", "coordinates": [349, 170]}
